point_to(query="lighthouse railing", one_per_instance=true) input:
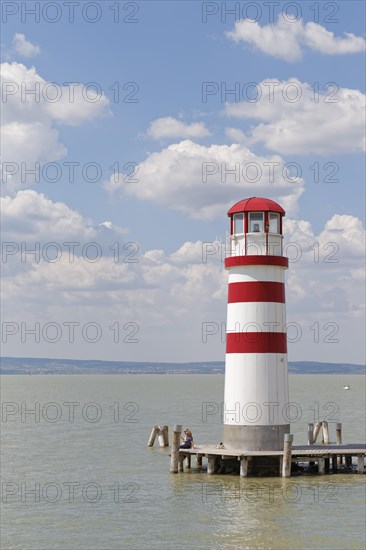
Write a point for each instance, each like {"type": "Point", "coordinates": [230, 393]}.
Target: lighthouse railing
{"type": "Point", "coordinates": [254, 244]}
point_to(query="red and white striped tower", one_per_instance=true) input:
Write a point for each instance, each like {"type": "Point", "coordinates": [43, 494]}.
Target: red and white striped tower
{"type": "Point", "coordinates": [256, 380]}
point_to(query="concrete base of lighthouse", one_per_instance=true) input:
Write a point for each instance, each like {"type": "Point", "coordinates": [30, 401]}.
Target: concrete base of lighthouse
{"type": "Point", "coordinates": [255, 438]}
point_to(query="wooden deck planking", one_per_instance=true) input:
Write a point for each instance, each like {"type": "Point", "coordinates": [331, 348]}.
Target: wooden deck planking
{"type": "Point", "coordinates": [297, 450]}
{"type": "Point", "coordinates": [321, 454]}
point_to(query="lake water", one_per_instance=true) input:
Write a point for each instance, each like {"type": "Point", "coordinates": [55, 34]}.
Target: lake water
{"type": "Point", "coordinates": [77, 474]}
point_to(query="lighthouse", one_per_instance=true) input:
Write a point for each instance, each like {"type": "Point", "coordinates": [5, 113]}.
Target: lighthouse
{"type": "Point", "coordinates": [256, 402]}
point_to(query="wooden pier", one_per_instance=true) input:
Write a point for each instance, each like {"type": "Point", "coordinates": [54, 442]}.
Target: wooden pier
{"type": "Point", "coordinates": [334, 457]}
{"type": "Point", "coordinates": [320, 454]}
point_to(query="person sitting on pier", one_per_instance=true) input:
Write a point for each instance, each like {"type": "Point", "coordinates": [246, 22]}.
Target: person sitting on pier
{"type": "Point", "coordinates": [187, 440]}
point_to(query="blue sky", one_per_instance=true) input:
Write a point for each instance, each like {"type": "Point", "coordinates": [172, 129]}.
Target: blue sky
{"type": "Point", "coordinates": [168, 135]}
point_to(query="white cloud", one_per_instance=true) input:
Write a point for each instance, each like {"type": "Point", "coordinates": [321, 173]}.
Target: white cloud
{"type": "Point", "coordinates": [32, 216]}
{"type": "Point", "coordinates": [169, 127]}
{"type": "Point", "coordinates": [72, 104]}
{"type": "Point", "coordinates": [236, 135]}
{"type": "Point", "coordinates": [285, 39]}
{"type": "Point", "coordinates": [196, 179]}
{"type": "Point", "coordinates": [28, 133]}
{"type": "Point", "coordinates": [28, 143]}
{"type": "Point", "coordinates": [345, 232]}
{"type": "Point", "coordinates": [321, 40]}
{"type": "Point", "coordinates": [279, 40]}
{"type": "Point", "coordinates": [349, 235]}
{"type": "Point", "coordinates": [192, 253]}
{"type": "Point", "coordinates": [79, 275]}
{"type": "Point", "coordinates": [78, 104]}
{"type": "Point", "coordinates": [296, 119]}
{"type": "Point", "coordinates": [110, 227]}
{"type": "Point", "coordinates": [325, 284]}
{"type": "Point", "coordinates": [32, 222]}
{"type": "Point", "coordinates": [24, 47]}
{"type": "Point", "coordinates": [170, 296]}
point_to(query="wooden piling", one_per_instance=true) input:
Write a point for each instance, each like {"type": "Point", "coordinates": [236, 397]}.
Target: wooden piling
{"type": "Point", "coordinates": [339, 441]}
{"type": "Point", "coordinates": [211, 464]}
{"type": "Point", "coordinates": [310, 434]}
{"type": "Point", "coordinates": [286, 461]}
{"type": "Point", "coordinates": [317, 427]}
{"type": "Point", "coordinates": [311, 439]}
{"type": "Point", "coordinates": [152, 437]}
{"type": "Point", "coordinates": [321, 465]}
{"type": "Point", "coordinates": [360, 463]}
{"type": "Point", "coordinates": [188, 459]}
{"type": "Point", "coordinates": [339, 433]}
{"type": "Point", "coordinates": [325, 432]}
{"type": "Point", "coordinates": [243, 466]}
{"type": "Point", "coordinates": [161, 438]}
{"type": "Point", "coordinates": [165, 430]}
{"type": "Point", "coordinates": [177, 430]}
{"type": "Point", "coordinates": [198, 460]}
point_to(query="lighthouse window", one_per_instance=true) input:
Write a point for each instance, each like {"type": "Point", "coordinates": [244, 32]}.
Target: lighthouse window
{"type": "Point", "coordinates": [256, 222]}
{"type": "Point", "coordinates": [238, 223]}
{"type": "Point", "coordinates": [274, 223]}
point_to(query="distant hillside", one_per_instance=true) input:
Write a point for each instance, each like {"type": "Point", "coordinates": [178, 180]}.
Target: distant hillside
{"type": "Point", "coordinates": [29, 365]}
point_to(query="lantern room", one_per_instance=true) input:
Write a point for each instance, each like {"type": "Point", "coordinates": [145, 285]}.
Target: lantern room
{"type": "Point", "coordinates": [256, 228]}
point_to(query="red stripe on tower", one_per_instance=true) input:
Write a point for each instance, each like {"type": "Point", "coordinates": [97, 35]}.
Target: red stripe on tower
{"type": "Point", "coordinates": [256, 342]}
{"type": "Point", "coordinates": [263, 291]}
{"type": "Point", "coordinates": [256, 260]}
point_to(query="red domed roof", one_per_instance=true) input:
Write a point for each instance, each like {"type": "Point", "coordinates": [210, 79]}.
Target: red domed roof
{"type": "Point", "coordinates": [256, 204]}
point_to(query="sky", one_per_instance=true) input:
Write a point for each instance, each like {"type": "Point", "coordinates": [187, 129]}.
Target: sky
{"type": "Point", "coordinates": [128, 131]}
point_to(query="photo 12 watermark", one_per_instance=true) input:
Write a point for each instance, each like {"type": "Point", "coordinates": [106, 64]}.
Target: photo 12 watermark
{"type": "Point", "coordinates": [70, 172]}
{"type": "Point", "coordinates": [269, 11]}
{"type": "Point", "coordinates": [52, 492]}
{"type": "Point", "coordinates": [249, 173]}
{"type": "Point", "coordinates": [69, 251]}
{"type": "Point", "coordinates": [53, 412]}
{"type": "Point", "coordinates": [70, 332]}
{"type": "Point", "coordinates": [325, 253]}
{"type": "Point", "coordinates": [68, 92]}
{"type": "Point", "coordinates": [270, 493]}
{"type": "Point", "coordinates": [254, 332]}
{"type": "Point", "coordinates": [252, 412]}
{"type": "Point", "coordinates": [116, 11]}
{"type": "Point", "coordinates": [269, 91]}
